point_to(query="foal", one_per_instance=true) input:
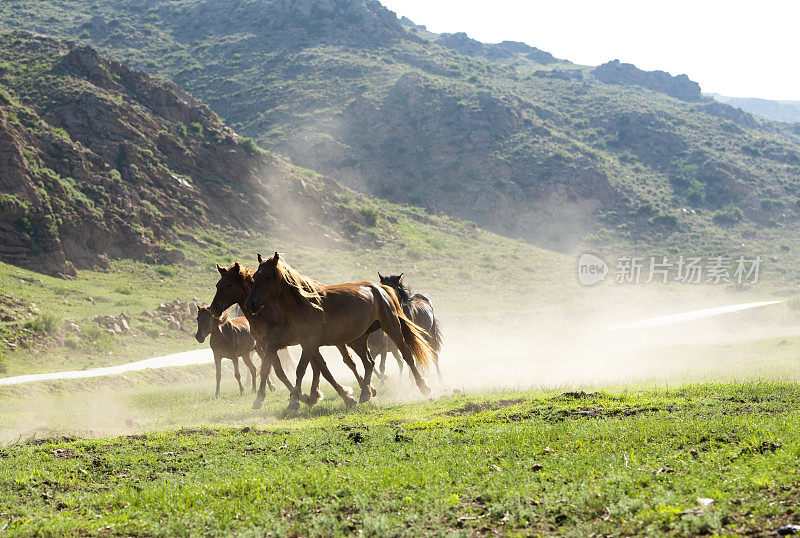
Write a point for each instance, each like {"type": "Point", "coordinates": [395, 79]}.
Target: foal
{"type": "Point", "coordinates": [230, 339]}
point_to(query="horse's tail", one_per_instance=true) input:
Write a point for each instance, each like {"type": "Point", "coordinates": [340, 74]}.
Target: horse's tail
{"type": "Point", "coordinates": [435, 337]}
{"type": "Point", "coordinates": [415, 337]}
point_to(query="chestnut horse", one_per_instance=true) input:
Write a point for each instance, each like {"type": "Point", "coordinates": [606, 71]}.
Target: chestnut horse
{"type": "Point", "coordinates": [230, 339]}
{"type": "Point", "coordinates": [269, 328]}
{"type": "Point", "coordinates": [320, 315]}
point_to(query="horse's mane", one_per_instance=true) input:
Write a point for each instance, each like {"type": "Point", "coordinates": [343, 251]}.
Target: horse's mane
{"type": "Point", "coordinates": [223, 318]}
{"type": "Point", "coordinates": [246, 271]}
{"type": "Point", "coordinates": [403, 291]}
{"type": "Point", "coordinates": [306, 289]}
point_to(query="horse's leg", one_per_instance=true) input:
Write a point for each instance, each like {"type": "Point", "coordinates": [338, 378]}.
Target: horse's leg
{"type": "Point", "coordinates": [236, 374]}
{"type": "Point", "coordinates": [248, 361]}
{"type": "Point", "coordinates": [320, 365]}
{"type": "Point", "coordinates": [382, 365]}
{"type": "Point", "coordinates": [360, 347]}
{"type": "Point", "coordinates": [391, 324]}
{"type": "Point", "coordinates": [296, 393]}
{"type": "Point", "coordinates": [436, 363]}
{"type": "Point", "coordinates": [269, 361]}
{"type": "Point", "coordinates": [270, 364]}
{"type": "Point", "coordinates": [218, 366]}
{"type": "Point", "coordinates": [399, 359]}
{"type": "Point", "coordinates": [314, 394]}
{"type": "Point", "coordinates": [348, 360]}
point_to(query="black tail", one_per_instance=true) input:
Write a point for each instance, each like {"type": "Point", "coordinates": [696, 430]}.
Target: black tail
{"type": "Point", "coordinates": [435, 337]}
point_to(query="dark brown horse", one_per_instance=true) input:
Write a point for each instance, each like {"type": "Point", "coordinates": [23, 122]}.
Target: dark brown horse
{"type": "Point", "coordinates": [230, 339]}
{"type": "Point", "coordinates": [320, 315]}
{"type": "Point", "coordinates": [269, 328]}
{"type": "Point", "coordinates": [418, 309]}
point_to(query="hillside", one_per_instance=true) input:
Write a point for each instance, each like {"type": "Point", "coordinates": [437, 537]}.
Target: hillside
{"type": "Point", "coordinates": [101, 161]}
{"type": "Point", "coordinates": [506, 135]}
{"type": "Point", "coordinates": [788, 111]}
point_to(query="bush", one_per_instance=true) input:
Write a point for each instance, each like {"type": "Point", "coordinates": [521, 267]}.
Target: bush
{"type": "Point", "coordinates": [370, 215]}
{"type": "Point", "coordinates": [45, 323]}
{"type": "Point", "coordinates": [249, 146]}
{"type": "Point", "coordinates": [163, 270]}
{"type": "Point", "coordinates": [772, 204]}
{"type": "Point", "coordinates": [97, 337]}
{"type": "Point", "coordinates": [728, 215]}
{"type": "Point", "coordinates": [123, 290]}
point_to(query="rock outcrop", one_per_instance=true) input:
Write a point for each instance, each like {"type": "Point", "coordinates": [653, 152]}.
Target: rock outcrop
{"type": "Point", "coordinates": [100, 161]}
{"type": "Point", "coordinates": [679, 87]}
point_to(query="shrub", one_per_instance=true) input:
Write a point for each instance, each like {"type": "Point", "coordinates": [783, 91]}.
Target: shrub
{"type": "Point", "coordinates": [772, 204]}
{"type": "Point", "coordinates": [250, 147]}
{"type": "Point", "coordinates": [123, 290]}
{"type": "Point", "coordinates": [97, 337]}
{"type": "Point", "coordinates": [370, 215]}
{"type": "Point", "coordinates": [45, 323]}
{"type": "Point", "coordinates": [728, 215]}
{"type": "Point", "coordinates": [163, 270]}
{"type": "Point", "coordinates": [667, 221]}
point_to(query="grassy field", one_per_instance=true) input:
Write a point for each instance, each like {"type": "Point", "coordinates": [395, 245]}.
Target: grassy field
{"type": "Point", "coordinates": [623, 461]}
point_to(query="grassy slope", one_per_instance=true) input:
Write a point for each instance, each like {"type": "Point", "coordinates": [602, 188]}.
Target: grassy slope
{"type": "Point", "coordinates": [629, 462]}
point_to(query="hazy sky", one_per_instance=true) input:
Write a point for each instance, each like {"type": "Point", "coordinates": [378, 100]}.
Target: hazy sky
{"type": "Point", "coordinates": [740, 49]}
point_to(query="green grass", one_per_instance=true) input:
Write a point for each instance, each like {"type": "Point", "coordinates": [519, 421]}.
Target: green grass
{"type": "Point", "coordinates": [623, 461]}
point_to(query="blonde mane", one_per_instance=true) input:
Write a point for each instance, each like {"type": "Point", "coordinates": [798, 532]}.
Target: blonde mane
{"type": "Point", "coordinates": [306, 289]}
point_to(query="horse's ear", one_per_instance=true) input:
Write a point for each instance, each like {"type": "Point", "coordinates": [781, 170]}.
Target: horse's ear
{"type": "Point", "coordinates": [235, 268]}
{"type": "Point", "coordinates": [221, 270]}
{"type": "Point", "coordinates": [400, 277]}
{"type": "Point", "coordinates": [380, 276]}
{"type": "Point", "coordinates": [260, 259]}
{"type": "Point", "coordinates": [276, 257]}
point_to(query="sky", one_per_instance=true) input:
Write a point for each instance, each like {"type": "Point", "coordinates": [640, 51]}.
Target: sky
{"type": "Point", "coordinates": [734, 48]}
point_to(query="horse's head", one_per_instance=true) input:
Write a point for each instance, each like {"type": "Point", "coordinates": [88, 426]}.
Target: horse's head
{"type": "Point", "coordinates": [206, 323]}
{"type": "Point", "coordinates": [231, 288]}
{"type": "Point", "coordinates": [266, 283]}
{"type": "Point", "coordinates": [395, 281]}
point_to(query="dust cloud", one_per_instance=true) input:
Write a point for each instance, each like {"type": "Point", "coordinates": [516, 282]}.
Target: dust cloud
{"type": "Point", "coordinates": [558, 348]}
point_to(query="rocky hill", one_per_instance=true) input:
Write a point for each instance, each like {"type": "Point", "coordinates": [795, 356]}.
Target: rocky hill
{"type": "Point", "coordinates": [98, 160]}
{"type": "Point", "coordinates": [788, 111]}
{"type": "Point", "coordinates": [505, 134]}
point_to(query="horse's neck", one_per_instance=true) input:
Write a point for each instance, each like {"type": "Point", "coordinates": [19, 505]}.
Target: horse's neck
{"type": "Point", "coordinates": [292, 307]}
{"type": "Point", "coordinates": [247, 286]}
{"type": "Point", "coordinates": [402, 294]}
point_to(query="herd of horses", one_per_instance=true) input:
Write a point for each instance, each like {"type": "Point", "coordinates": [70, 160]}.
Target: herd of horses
{"type": "Point", "coordinates": [282, 308]}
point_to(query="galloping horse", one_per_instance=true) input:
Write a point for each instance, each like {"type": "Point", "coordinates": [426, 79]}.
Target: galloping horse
{"type": "Point", "coordinates": [320, 315]}
{"type": "Point", "coordinates": [269, 328]}
{"type": "Point", "coordinates": [418, 309]}
{"type": "Point", "coordinates": [230, 339]}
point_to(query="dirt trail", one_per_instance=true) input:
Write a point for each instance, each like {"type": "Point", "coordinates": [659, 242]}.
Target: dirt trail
{"type": "Point", "coordinates": [186, 358]}
{"type": "Point", "coordinates": [596, 341]}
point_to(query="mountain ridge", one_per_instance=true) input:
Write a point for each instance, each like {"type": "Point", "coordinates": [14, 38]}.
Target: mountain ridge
{"type": "Point", "coordinates": [537, 149]}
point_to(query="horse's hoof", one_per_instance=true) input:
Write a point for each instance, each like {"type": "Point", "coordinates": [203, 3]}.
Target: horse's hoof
{"type": "Point", "coordinates": [306, 399]}
{"type": "Point", "coordinates": [271, 388]}
{"type": "Point", "coordinates": [373, 391]}
{"type": "Point", "coordinates": [257, 404]}
{"type": "Point", "coordinates": [294, 405]}
{"type": "Point", "coordinates": [425, 390]}
{"type": "Point", "coordinates": [349, 402]}
{"type": "Point", "coordinates": [365, 396]}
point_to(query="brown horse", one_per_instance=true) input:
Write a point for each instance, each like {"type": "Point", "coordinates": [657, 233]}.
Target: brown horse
{"type": "Point", "coordinates": [418, 309]}
{"type": "Point", "coordinates": [230, 339]}
{"type": "Point", "coordinates": [269, 328]}
{"type": "Point", "coordinates": [322, 315]}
